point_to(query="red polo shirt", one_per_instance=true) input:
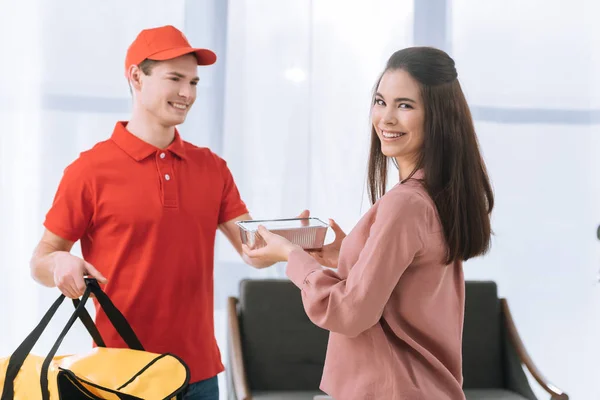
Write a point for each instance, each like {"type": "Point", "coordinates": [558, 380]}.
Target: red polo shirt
{"type": "Point", "coordinates": [147, 220]}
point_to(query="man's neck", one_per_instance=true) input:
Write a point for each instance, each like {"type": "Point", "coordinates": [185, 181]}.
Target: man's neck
{"type": "Point", "coordinates": [150, 131]}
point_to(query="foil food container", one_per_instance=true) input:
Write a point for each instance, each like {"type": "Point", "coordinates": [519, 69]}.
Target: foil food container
{"type": "Point", "coordinates": [308, 233]}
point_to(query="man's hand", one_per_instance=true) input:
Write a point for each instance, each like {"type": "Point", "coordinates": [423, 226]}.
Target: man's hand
{"type": "Point", "coordinates": [69, 272]}
{"type": "Point", "coordinates": [52, 265]}
{"type": "Point", "coordinates": [304, 214]}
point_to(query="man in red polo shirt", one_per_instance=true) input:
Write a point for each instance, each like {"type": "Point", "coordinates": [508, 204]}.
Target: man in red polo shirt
{"type": "Point", "coordinates": [146, 206]}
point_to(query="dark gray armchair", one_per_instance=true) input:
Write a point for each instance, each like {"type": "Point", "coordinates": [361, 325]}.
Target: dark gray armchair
{"type": "Point", "coordinates": [493, 353]}
{"type": "Point", "coordinates": [275, 352]}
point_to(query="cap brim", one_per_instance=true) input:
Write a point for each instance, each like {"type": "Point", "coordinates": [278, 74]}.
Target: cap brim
{"type": "Point", "coordinates": [204, 56]}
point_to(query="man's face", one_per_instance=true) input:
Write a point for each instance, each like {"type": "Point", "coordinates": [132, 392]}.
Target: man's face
{"type": "Point", "coordinates": [169, 90]}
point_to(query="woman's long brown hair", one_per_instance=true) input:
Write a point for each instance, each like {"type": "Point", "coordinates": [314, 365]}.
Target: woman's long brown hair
{"type": "Point", "coordinates": [455, 175]}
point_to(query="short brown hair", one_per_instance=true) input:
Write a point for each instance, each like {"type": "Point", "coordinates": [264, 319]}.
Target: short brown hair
{"type": "Point", "coordinates": [147, 65]}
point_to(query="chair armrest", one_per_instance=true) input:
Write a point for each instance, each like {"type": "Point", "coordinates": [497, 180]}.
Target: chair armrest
{"type": "Point", "coordinates": [516, 341]}
{"type": "Point", "coordinates": [240, 382]}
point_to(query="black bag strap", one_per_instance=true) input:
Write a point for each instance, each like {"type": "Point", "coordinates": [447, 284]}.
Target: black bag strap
{"type": "Point", "coordinates": [18, 357]}
{"type": "Point", "coordinates": [116, 318]}
{"type": "Point", "coordinates": [114, 315]}
{"type": "Point", "coordinates": [88, 322]}
{"type": "Point", "coordinates": [52, 353]}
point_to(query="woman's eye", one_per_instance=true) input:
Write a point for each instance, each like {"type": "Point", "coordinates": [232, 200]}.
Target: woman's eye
{"type": "Point", "coordinates": [379, 102]}
{"type": "Point", "coordinates": [404, 105]}
{"type": "Point", "coordinates": [195, 83]}
{"type": "Point", "coordinates": [175, 79]}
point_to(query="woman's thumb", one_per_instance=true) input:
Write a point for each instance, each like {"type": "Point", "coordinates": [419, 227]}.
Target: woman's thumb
{"type": "Point", "coordinates": [339, 233]}
{"type": "Point", "coordinates": [334, 225]}
{"type": "Point", "coordinates": [264, 232]}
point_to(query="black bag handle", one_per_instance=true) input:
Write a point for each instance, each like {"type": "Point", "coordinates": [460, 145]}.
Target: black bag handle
{"type": "Point", "coordinates": [48, 359]}
{"type": "Point", "coordinates": [114, 315]}
{"type": "Point", "coordinates": [18, 357]}
{"type": "Point", "coordinates": [116, 318]}
{"type": "Point", "coordinates": [88, 322]}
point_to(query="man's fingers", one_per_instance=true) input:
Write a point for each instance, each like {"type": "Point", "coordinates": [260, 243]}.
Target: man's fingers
{"type": "Point", "coordinates": [91, 270]}
{"type": "Point", "coordinates": [79, 283]}
{"type": "Point", "coordinates": [69, 288]}
{"type": "Point", "coordinates": [64, 286]}
{"type": "Point", "coordinates": [77, 287]}
{"type": "Point", "coordinates": [304, 214]}
{"type": "Point", "coordinates": [67, 292]}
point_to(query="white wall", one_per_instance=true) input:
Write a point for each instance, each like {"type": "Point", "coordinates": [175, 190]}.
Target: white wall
{"type": "Point", "coordinates": [526, 69]}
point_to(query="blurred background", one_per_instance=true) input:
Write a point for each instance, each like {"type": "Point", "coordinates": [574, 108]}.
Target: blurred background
{"type": "Point", "coordinates": [287, 106]}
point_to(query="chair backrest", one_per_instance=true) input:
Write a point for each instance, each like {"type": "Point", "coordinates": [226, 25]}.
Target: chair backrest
{"type": "Point", "coordinates": [483, 337]}
{"type": "Point", "coordinates": [283, 349]}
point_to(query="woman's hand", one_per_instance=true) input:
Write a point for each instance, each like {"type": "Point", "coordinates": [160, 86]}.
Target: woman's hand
{"type": "Point", "coordinates": [329, 254]}
{"type": "Point", "coordinates": [277, 249]}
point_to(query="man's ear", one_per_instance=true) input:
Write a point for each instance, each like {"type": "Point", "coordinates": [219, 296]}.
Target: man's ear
{"type": "Point", "coordinates": [135, 77]}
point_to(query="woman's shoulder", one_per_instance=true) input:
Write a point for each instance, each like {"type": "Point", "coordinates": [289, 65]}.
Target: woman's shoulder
{"type": "Point", "coordinates": [411, 195]}
{"type": "Point", "coordinates": [409, 203]}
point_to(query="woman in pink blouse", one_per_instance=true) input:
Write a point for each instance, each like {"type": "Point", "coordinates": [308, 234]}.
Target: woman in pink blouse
{"type": "Point", "coordinates": [395, 303]}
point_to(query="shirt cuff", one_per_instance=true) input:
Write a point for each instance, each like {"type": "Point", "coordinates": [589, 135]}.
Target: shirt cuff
{"type": "Point", "coordinates": [300, 265]}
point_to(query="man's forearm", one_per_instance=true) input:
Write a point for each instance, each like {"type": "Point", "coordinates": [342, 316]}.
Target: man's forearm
{"type": "Point", "coordinates": [42, 264]}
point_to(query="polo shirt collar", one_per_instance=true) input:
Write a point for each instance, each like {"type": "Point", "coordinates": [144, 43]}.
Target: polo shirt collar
{"type": "Point", "coordinates": [137, 149]}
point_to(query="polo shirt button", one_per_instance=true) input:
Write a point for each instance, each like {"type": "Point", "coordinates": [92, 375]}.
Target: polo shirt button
{"type": "Point", "coordinates": [168, 177]}
{"type": "Point", "coordinates": [162, 155]}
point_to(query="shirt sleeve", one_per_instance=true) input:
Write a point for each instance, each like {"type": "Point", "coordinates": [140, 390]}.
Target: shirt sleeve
{"type": "Point", "coordinates": [232, 205]}
{"type": "Point", "coordinates": [352, 305]}
{"type": "Point", "coordinates": [72, 210]}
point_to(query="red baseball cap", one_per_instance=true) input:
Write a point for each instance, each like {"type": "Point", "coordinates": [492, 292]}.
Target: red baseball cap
{"type": "Point", "coordinates": [164, 43]}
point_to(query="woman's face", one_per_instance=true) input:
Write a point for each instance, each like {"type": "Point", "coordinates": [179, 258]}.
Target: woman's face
{"type": "Point", "coordinates": [398, 118]}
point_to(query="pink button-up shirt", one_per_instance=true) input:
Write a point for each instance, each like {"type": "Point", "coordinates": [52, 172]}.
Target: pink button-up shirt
{"type": "Point", "coordinates": [394, 308]}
